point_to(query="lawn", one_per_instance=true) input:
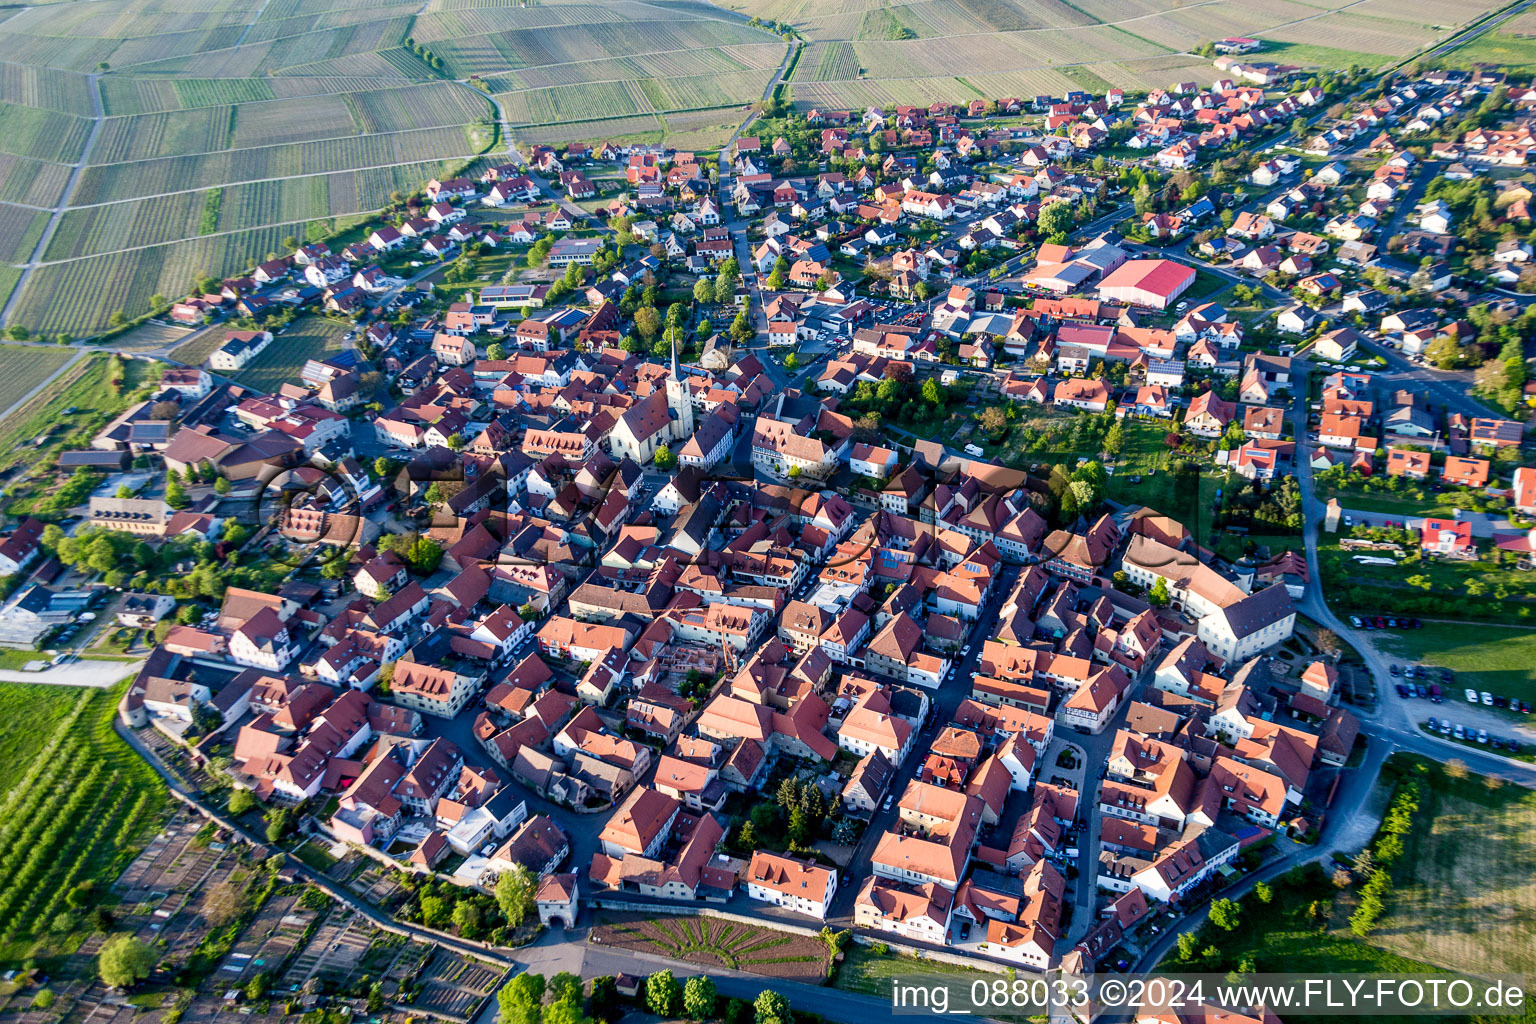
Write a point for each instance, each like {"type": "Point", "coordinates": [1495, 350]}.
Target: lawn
{"type": "Point", "coordinates": [1282, 937]}
{"type": "Point", "coordinates": [312, 337]}
{"type": "Point", "coordinates": [1499, 659]}
{"type": "Point", "coordinates": [1497, 49]}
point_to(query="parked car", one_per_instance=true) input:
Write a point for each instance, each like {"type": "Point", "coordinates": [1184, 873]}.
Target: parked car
{"type": "Point", "coordinates": [1525, 707]}
{"type": "Point", "coordinates": [1482, 735]}
{"type": "Point", "coordinates": [1423, 691]}
{"type": "Point", "coordinates": [1354, 620]}
{"type": "Point", "coordinates": [1434, 692]}
{"type": "Point", "coordinates": [1434, 723]}
{"type": "Point", "coordinates": [1460, 733]}
{"type": "Point", "coordinates": [1500, 701]}
{"type": "Point", "coordinates": [1403, 691]}
{"type": "Point", "coordinates": [1393, 670]}
{"type": "Point", "coordinates": [1487, 698]}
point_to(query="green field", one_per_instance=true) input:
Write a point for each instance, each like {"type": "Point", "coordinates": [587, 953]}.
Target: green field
{"type": "Point", "coordinates": [309, 338]}
{"type": "Point", "coordinates": [1496, 48]}
{"type": "Point", "coordinates": [77, 804]}
{"type": "Point", "coordinates": [86, 388]}
{"type": "Point", "coordinates": [1499, 659]}
{"type": "Point", "coordinates": [1465, 888]}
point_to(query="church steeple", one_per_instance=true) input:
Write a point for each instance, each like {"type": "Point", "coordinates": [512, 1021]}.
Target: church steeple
{"type": "Point", "coordinates": [674, 355]}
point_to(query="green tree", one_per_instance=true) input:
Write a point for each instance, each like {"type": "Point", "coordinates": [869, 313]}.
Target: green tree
{"type": "Point", "coordinates": [124, 961]}
{"type": "Point", "coordinates": [279, 822]}
{"type": "Point", "coordinates": [496, 351]}
{"type": "Point", "coordinates": [514, 894]}
{"type": "Point", "coordinates": [779, 277]}
{"type": "Point", "coordinates": [703, 290]}
{"type": "Point", "coordinates": [468, 919]}
{"type": "Point", "coordinates": [1114, 439]}
{"type": "Point", "coordinates": [662, 993]}
{"type": "Point", "coordinates": [772, 1007]}
{"type": "Point", "coordinates": [1263, 892]}
{"type": "Point", "coordinates": [1158, 596]}
{"type": "Point", "coordinates": [241, 801]}
{"type": "Point", "coordinates": [699, 998]}
{"type": "Point", "coordinates": [648, 323]}
{"type": "Point", "coordinates": [521, 999]}
{"type": "Point", "coordinates": [1224, 914]}
{"type": "Point", "coordinates": [725, 288]}
{"type": "Point", "coordinates": [664, 458]}
{"type": "Point", "coordinates": [176, 494]}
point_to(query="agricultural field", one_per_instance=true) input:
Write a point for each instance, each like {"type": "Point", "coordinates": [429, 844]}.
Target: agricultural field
{"type": "Point", "coordinates": [1464, 892]}
{"type": "Point", "coordinates": [310, 338]}
{"type": "Point", "coordinates": [205, 137]}
{"type": "Point", "coordinates": [77, 803]}
{"type": "Point", "coordinates": [23, 368]}
{"type": "Point", "coordinates": [863, 53]}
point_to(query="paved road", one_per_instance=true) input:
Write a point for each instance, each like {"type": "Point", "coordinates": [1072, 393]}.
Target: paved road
{"type": "Point", "coordinates": [95, 674]}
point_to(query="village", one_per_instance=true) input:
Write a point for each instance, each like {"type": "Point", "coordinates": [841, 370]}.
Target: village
{"type": "Point", "coordinates": [915, 521]}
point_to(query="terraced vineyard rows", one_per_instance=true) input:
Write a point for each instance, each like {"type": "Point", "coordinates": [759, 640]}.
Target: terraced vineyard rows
{"type": "Point", "coordinates": [79, 296]}
{"type": "Point", "coordinates": [42, 134]}
{"type": "Point", "coordinates": [127, 181]}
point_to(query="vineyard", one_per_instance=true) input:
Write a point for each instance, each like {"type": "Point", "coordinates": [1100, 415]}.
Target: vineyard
{"type": "Point", "coordinates": [129, 181]}
{"type": "Point", "coordinates": [77, 804]}
{"type": "Point", "coordinates": [41, 134]}
{"type": "Point", "coordinates": [80, 295]}
{"type": "Point", "coordinates": [20, 228]}
{"type": "Point", "coordinates": [23, 368]}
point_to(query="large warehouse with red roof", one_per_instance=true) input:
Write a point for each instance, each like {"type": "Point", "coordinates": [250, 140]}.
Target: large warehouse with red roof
{"type": "Point", "coordinates": [1154, 283]}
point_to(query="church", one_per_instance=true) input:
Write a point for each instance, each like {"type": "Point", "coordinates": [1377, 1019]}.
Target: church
{"type": "Point", "coordinates": [663, 417]}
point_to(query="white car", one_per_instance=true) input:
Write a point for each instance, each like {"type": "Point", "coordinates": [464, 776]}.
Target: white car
{"type": "Point", "coordinates": [1471, 695]}
{"type": "Point", "coordinates": [1487, 698]}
